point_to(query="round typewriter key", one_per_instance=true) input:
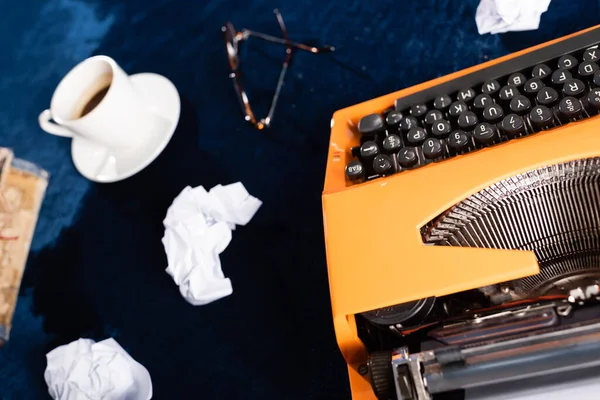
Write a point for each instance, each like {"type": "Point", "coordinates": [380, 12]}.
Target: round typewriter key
{"type": "Point", "coordinates": [567, 62]}
{"type": "Point", "coordinates": [574, 87]}
{"type": "Point", "coordinates": [570, 108]}
{"type": "Point", "coordinates": [517, 79]}
{"type": "Point", "coordinates": [368, 150]}
{"type": "Point", "coordinates": [355, 171]}
{"type": "Point", "coordinates": [594, 99]}
{"type": "Point", "coordinates": [458, 140]}
{"type": "Point", "coordinates": [408, 123]}
{"type": "Point", "coordinates": [587, 69]}
{"type": "Point", "coordinates": [371, 124]}
{"type": "Point", "coordinates": [416, 136]}
{"type": "Point", "coordinates": [490, 87]}
{"type": "Point", "coordinates": [507, 93]}
{"type": "Point", "coordinates": [484, 133]}
{"type": "Point", "coordinates": [391, 144]}
{"type": "Point", "coordinates": [433, 116]}
{"type": "Point", "coordinates": [393, 118]}
{"type": "Point", "coordinates": [482, 101]}
{"type": "Point", "coordinates": [407, 157]}
{"type": "Point", "coordinates": [457, 108]}
{"type": "Point", "coordinates": [591, 54]}
{"type": "Point", "coordinates": [467, 120]}
{"type": "Point", "coordinates": [467, 95]}
{"type": "Point", "coordinates": [547, 96]}
{"type": "Point", "coordinates": [432, 148]}
{"type": "Point", "coordinates": [493, 113]}
{"type": "Point", "coordinates": [520, 105]}
{"type": "Point", "coordinates": [382, 164]}
{"type": "Point", "coordinates": [533, 86]}
{"type": "Point", "coordinates": [596, 80]}
{"type": "Point", "coordinates": [512, 125]}
{"type": "Point", "coordinates": [559, 77]}
{"type": "Point", "coordinates": [442, 128]}
{"type": "Point", "coordinates": [540, 117]}
{"type": "Point", "coordinates": [442, 103]}
{"type": "Point", "coordinates": [541, 71]}
{"type": "Point", "coordinates": [418, 110]}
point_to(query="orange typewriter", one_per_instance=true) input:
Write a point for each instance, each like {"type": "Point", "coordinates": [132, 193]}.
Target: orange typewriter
{"type": "Point", "coordinates": [462, 221]}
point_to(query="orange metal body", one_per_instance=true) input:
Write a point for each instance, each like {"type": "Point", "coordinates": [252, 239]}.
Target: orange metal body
{"type": "Point", "coordinates": [375, 253]}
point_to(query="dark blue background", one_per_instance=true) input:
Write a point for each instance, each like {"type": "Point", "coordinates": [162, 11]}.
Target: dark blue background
{"type": "Point", "coordinates": [96, 267]}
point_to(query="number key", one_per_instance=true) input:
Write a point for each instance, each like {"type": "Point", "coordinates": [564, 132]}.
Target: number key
{"type": "Point", "coordinates": [458, 140]}
{"type": "Point", "coordinates": [512, 125]}
{"type": "Point", "coordinates": [432, 148]}
{"type": "Point", "coordinates": [484, 133]}
{"type": "Point", "coordinates": [540, 117]}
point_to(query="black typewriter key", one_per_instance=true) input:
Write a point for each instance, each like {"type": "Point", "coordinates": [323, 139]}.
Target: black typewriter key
{"type": "Point", "coordinates": [467, 120]}
{"type": "Point", "coordinates": [442, 128]}
{"type": "Point", "coordinates": [541, 71]}
{"type": "Point", "coordinates": [513, 125]}
{"type": "Point", "coordinates": [458, 140]}
{"type": "Point", "coordinates": [532, 87]}
{"type": "Point", "coordinates": [593, 99]}
{"type": "Point", "coordinates": [481, 102]}
{"type": "Point", "coordinates": [520, 105]}
{"type": "Point", "coordinates": [442, 103]}
{"type": "Point", "coordinates": [418, 110]}
{"type": "Point", "coordinates": [368, 150]}
{"type": "Point", "coordinates": [484, 133]}
{"type": "Point", "coordinates": [433, 116]}
{"type": "Point", "coordinates": [567, 62]}
{"type": "Point", "coordinates": [517, 79]}
{"type": "Point", "coordinates": [574, 87]}
{"type": "Point", "coordinates": [457, 108]}
{"type": "Point", "coordinates": [596, 80]}
{"type": "Point", "coordinates": [408, 123]}
{"type": "Point", "coordinates": [416, 136]}
{"type": "Point", "coordinates": [540, 117]}
{"type": "Point", "coordinates": [432, 148]}
{"type": "Point", "coordinates": [493, 113]}
{"type": "Point", "coordinates": [570, 108]}
{"type": "Point", "coordinates": [586, 70]}
{"type": "Point", "coordinates": [407, 157]}
{"type": "Point", "coordinates": [467, 95]}
{"type": "Point", "coordinates": [507, 93]}
{"type": "Point", "coordinates": [490, 87]}
{"type": "Point", "coordinates": [559, 77]}
{"type": "Point", "coordinates": [355, 171]}
{"type": "Point", "coordinates": [391, 144]}
{"type": "Point", "coordinates": [393, 119]}
{"type": "Point", "coordinates": [547, 96]}
{"type": "Point", "coordinates": [591, 54]}
{"type": "Point", "coordinates": [371, 124]}
{"type": "Point", "coordinates": [383, 165]}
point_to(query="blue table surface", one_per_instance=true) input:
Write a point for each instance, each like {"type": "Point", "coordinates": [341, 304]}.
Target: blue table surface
{"type": "Point", "coordinates": [96, 267]}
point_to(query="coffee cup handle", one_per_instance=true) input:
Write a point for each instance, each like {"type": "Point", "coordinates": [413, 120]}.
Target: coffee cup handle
{"type": "Point", "coordinates": [46, 123]}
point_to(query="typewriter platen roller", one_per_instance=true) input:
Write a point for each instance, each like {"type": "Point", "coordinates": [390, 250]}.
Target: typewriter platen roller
{"type": "Point", "coordinates": [476, 267]}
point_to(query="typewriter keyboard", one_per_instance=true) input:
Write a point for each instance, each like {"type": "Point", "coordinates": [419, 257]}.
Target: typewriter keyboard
{"type": "Point", "coordinates": [537, 91]}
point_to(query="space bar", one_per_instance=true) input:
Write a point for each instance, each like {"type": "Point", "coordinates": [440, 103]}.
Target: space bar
{"type": "Point", "coordinates": [528, 60]}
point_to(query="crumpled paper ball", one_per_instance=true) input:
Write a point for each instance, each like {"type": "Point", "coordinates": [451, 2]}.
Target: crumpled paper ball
{"type": "Point", "coordinates": [499, 16]}
{"type": "Point", "coordinates": [86, 370]}
{"type": "Point", "coordinates": [198, 228]}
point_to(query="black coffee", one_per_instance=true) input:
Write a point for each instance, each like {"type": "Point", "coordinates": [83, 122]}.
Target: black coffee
{"type": "Point", "coordinates": [94, 101]}
{"type": "Point", "coordinates": [92, 96]}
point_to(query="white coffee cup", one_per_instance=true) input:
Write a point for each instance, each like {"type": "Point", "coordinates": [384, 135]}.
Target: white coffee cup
{"type": "Point", "coordinates": [119, 119]}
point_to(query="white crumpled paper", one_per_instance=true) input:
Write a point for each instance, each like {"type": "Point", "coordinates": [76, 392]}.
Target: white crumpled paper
{"type": "Point", "coordinates": [86, 370]}
{"type": "Point", "coordinates": [198, 228]}
{"type": "Point", "coordinates": [498, 16]}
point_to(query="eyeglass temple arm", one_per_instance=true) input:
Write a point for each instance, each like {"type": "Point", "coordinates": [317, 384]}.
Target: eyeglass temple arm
{"type": "Point", "coordinates": [297, 45]}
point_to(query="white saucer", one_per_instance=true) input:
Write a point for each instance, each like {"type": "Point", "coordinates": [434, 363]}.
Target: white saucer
{"type": "Point", "coordinates": [99, 163]}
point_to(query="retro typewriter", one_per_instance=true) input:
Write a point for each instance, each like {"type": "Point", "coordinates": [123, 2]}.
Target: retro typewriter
{"type": "Point", "coordinates": [462, 226]}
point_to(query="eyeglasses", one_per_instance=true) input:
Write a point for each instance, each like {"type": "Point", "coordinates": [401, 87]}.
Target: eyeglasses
{"type": "Point", "coordinates": [233, 39]}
